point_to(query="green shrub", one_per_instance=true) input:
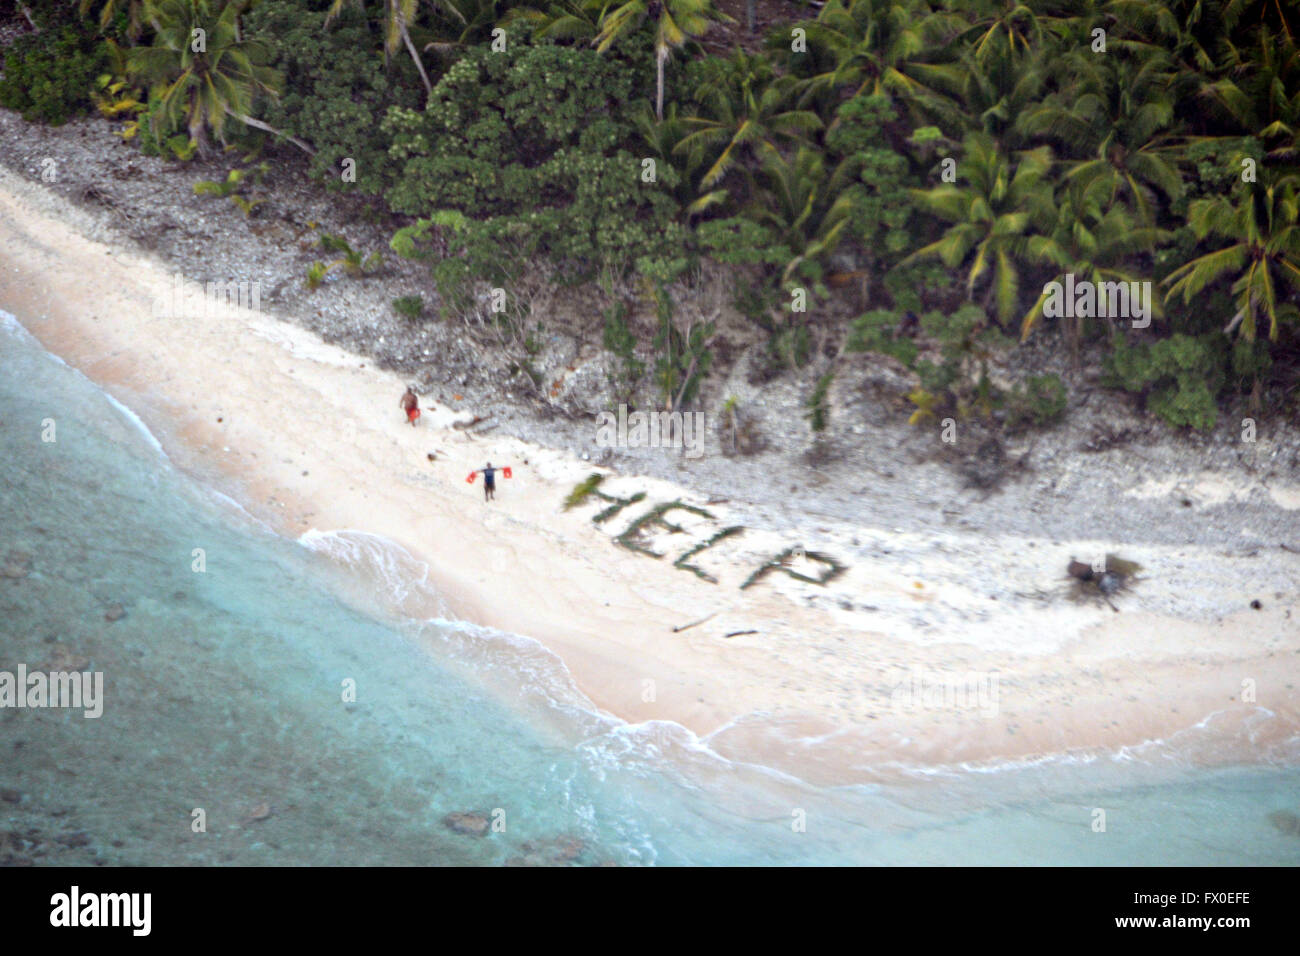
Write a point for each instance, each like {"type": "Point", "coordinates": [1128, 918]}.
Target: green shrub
{"type": "Point", "coordinates": [230, 187]}
{"type": "Point", "coordinates": [49, 76]}
{"type": "Point", "coordinates": [819, 409]}
{"type": "Point", "coordinates": [958, 383]}
{"type": "Point", "coordinates": [409, 306]}
{"type": "Point", "coordinates": [736, 240]}
{"type": "Point", "coordinates": [1038, 400]}
{"type": "Point", "coordinates": [621, 340]}
{"type": "Point", "coordinates": [914, 286]}
{"type": "Point", "coordinates": [1189, 401]}
{"type": "Point", "coordinates": [1250, 360]}
{"type": "Point", "coordinates": [790, 347]}
{"type": "Point", "coordinates": [683, 360]}
{"type": "Point", "coordinates": [353, 262]}
{"type": "Point", "coordinates": [881, 220]}
{"type": "Point", "coordinates": [316, 273]}
{"type": "Point", "coordinates": [875, 332]}
{"type": "Point", "coordinates": [1180, 377]}
{"type": "Point", "coordinates": [529, 145]}
{"type": "Point", "coordinates": [582, 490]}
{"type": "Point", "coordinates": [966, 343]}
{"type": "Point", "coordinates": [335, 87]}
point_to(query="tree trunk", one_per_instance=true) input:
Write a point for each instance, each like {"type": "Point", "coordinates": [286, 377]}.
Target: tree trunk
{"type": "Point", "coordinates": [199, 135]}
{"type": "Point", "coordinates": [267, 127]}
{"type": "Point", "coordinates": [410, 47]}
{"type": "Point", "coordinates": [1236, 319]}
{"type": "Point", "coordinates": [659, 91]}
{"type": "Point", "coordinates": [751, 14]}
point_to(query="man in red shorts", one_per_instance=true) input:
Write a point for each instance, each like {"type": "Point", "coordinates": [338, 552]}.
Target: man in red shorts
{"type": "Point", "coordinates": [411, 405]}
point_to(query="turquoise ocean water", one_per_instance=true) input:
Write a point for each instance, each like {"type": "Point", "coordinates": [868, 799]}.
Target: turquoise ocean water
{"type": "Point", "coordinates": [224, 691]}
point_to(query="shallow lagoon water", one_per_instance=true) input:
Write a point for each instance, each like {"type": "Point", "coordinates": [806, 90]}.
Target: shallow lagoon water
{"type": "Point", "coordinates": [225, 692]}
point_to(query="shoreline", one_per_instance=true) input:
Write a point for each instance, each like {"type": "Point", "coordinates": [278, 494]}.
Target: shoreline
{"type": "Point", "coordinates": [306, 436]}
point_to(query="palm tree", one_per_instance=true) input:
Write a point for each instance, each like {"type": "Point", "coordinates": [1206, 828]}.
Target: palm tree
{"type": "Point", "coordinates": [1262, 220]}
{"type": "Point", "coordinates": [202, 88]}
{"type": "Point", "coordinates": [1002, 28]}
{"type": "Point", "coordinates": [1276, 91]}
{"type": "Point", "coordinates": [997, 205]}
{"type": "Point", "coordinates": [676, 22]}
{"type": "Point", "coordinates": [745, 106]}
{"type": "Point", "coordinates": [1273, 15]}
{"type": "Point", "coordinates": [468, 21]}
{"type": "Point", "coordinates": [663, 136]}
{"type": "Point", "coordinates": [1135, 26]}
{"type": "Point", "coordinates": [1193, 32]}
{"type": "Point", "coordinates": [1264, 99]}
{"type": "Point", "coordinates": [1115, 118]}
{"type": "Point", "coordinates": [797, 201]}
{"type": "Point", "coordinates": [1092, 240]}
{"type": "Point", "coordinates": [880, 46]}
{"type": "Point", "coordinates": [398, 14]}
{"type": "Point", "coordinates": [135, 10]}
{"type": "Point", "coordinates": [1014, 28]}
{"type": "Point", "coordinates": [561, 20]}
{"type": "Point", "coordinates": [992, 97]}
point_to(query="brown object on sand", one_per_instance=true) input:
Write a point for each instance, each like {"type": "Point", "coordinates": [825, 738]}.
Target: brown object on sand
{"type": "Point", "coordinates": [1077, 569]}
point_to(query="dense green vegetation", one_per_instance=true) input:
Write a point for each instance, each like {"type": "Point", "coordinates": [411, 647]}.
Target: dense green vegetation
{"type": "Point", "coordinates": [48, 76]}
{"type": "Point", "coordinates": [912, 173]}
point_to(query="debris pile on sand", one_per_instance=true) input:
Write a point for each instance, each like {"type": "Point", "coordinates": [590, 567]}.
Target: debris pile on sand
{"type": "Point", "coordinates": [1104, 579]}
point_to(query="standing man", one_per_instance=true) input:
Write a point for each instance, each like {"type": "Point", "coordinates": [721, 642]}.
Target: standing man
{"type": "Point", "coordinates": [411, 405]}
{"type": "Point", "coordinates": [489, 479]}
{"type": "Point", "coordinates": [489, 483]}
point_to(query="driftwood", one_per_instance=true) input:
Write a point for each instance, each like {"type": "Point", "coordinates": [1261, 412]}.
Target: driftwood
{"type": "Point", "coordinates": [685, 627]}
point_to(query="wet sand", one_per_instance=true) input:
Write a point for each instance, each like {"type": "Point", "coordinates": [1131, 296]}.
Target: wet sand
{"type": "Point", "coordinates": [309, 437]}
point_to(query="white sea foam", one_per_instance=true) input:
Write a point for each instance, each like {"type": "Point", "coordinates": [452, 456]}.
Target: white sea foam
{"type": "Point", "coordinates": [718, 815]}
{"type": "Point", "coordinates": [526, 671]}
{"type": "Point", "coordinates": [537, 679]}
{"type": "Point", "coordinates": [141, 427]}
{"type": "Point", "coordinates": [541, 677]}
{"type": "Point", "coordinates": [398, 571]}
{"type": "Point", "coordinates": [239, 509]}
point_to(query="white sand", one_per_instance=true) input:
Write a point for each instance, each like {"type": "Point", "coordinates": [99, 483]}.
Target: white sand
{"type": "Point", "coordinates": [309, 437]}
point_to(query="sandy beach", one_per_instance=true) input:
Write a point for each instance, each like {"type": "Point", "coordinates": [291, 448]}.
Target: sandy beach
{"type": "Point", "coordinates": [309, 438]}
